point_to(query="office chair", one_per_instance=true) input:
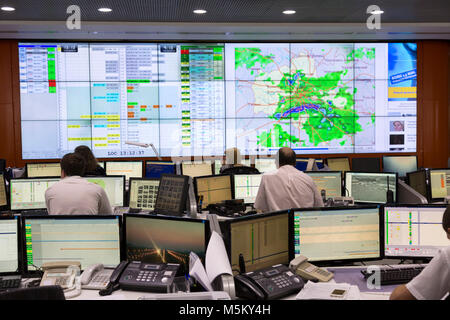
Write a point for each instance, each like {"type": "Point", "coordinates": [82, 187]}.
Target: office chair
{"type": "Point", "coordinates": [34, 293]}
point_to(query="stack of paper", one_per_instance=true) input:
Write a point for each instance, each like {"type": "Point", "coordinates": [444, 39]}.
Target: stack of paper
{"type": "Point", "coordinates": [326, 291]}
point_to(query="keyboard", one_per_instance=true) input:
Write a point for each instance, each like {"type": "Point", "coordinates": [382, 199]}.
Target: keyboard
{"type": "Point", "coordinates": [395, 275]}
{"type": "Point", "coordinates": [10, 282]}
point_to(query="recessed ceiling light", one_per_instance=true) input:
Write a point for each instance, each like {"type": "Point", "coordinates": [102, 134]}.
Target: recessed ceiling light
{"type": "Point", "coordinates": [8, 8]}
{"type": "Point", "coordinates": [289, 11]}
{"type": "Point", "coordinates": [104, 9]}
{"type": "Point", "coordinates": [377, 12]}
{"type": "Point", "coordinates": [199, 11]}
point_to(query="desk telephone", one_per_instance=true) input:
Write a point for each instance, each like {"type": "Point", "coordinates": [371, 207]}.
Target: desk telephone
{"type": "Point", "coordinates": [308, 271]}
{"type": "Point", "coordinates": [141, 276]}
{"type": "Point", "coordinates": [95, 277]}
{"type": "Point", "coordinates": [63, 274]}
{"type": "Point", "coordinates": [269, 283]}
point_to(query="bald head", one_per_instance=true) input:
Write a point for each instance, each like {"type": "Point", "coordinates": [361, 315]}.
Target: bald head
{"type": "Point", "coordinates": [285, 156]}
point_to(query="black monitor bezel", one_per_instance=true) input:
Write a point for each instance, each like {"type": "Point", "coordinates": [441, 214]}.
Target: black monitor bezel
{"type": "Point", "coordinates": [40, 163]}
{"type": "Point", "coordinates": [116, 176]}
{"type": "Point", "coordinates": [429, 188]}
{"type": "Point", "coordinates": [347, 158]}
{"type": "Point", "coordinates": [225, 226]}
{"type": "Point", "coordinates": [377, 173]}
{"type": "Point", "coordinates": [212, 167]}
{"type": "Point", "coordinates": [328, 172]}
{"type": "Point", "coordinates": [138, 161]}
{"type": "Point", "coordinates": [131, 183]}
{"type": "Point", "coordinates": [427, 191]}
{"type": "Point", "coordinates": [66, 217]}
{"type": "Point", "coordinates": [20, 261]}
{"type": "Point", "coordinates": [407, 205]}
{"type": "Point", "coordinates": [182, 204]}
{"type": "Point", "coordinates": [212, 176]}
{"type": "Point", "coordinates": [6, 206]}
{"type": "Point", "coordinates": [364, 158]}
{"type": "Point", "coordinates": [205, 222]}
{"type": "Point", "coordinates": [233, 185]}
{"type": "Point", "coordinates": [27, 179]}
{"type": "Point", "coordinates": [169, 163]}
{"type": "Point", "coordinates": [400, 156]}
{"type": "Point", "coordinates": [338, 261]}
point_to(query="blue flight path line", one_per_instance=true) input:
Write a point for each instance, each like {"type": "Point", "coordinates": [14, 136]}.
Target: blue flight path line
{"type": "Point", "coordinates": [297, 109]}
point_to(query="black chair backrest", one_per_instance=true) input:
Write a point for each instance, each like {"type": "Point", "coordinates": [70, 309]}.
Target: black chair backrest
{"type": "Point", "coordinates": [34, 293]}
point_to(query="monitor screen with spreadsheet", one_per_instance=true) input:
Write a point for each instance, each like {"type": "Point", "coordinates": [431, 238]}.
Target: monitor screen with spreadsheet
{"type": "Point", "coordinates": [124, 168]}
{"type": "Point", "coordinates": [246, 186]}
{"type": "Point", "coordinates": [338, 164]}
{"type": "Point", "coordinates": [143, 192]}
{"type": "Point", "coordinates": [163, 239]}
{"type": "Point", "coordinates": [344, 233]}
{"type": "Point", "coordinates": [439, 183]}
{"type": "Point", "coordinates": [114, 187]}
{"type": "Point", "coordinates": [330, 181]}
{"type": "Point", "coordinates": [35, 170]}
{"type": "Point", "coordinates": [265, 164]}
{"type": "Point", "coordinates": [414, 231]}
{"type": "Point", "coordinates": [9, 244]}
{"type": "Point", "coordinates": [370, 187]}
{"type": "Point", "coordinates": [196, 169]}
{"type": "Point", "coordinates": [29, 193]}
{"type": "Point", "coordinates": [262, 240]}
{"type": "Point", "coordinates": [87, 239]}
{"type": "Point", "coordinates": [213, 189]}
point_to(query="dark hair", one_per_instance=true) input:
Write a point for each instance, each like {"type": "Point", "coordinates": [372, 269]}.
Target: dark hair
{"type": "Point", "coordinates": [286, 156]}
{"type": "Point", "coordinates": [73, 164]}
{"type": "Point", "coordinates": [446, 219]}
{"type": "Point", "coordinates": [86, 153]}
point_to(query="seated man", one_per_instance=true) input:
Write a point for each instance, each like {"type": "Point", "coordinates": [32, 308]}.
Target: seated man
{"type": "Point", "coordinates": [286, 187]}
{"type": "Point", "coordinates": [433, 283]}
{"type": "Point", "coordinates": [233, 163]}
{"type": "Point", "coordinates": [73, 194]}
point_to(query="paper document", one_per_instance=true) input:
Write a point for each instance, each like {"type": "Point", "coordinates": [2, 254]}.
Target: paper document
{"type": "Point", "coordinates": [324, 291]}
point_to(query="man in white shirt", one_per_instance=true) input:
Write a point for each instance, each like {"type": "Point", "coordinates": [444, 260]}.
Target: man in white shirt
{"type": "Point", "coordinates": [433, 283]}
{"type": "Point", "coordinates": [73, 194]}
{"type": "Point", "coordinates": [286, 187]}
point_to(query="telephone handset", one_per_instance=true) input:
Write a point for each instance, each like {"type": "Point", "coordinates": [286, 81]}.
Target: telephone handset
{"type": "Point", "coordinates": [63, 274]}
{"type": "Point", "coordinates": [113, 283]}
{"type": "Point", "coordinates": [95, 277]}
{"type": "Point", "coordinates": [269, 283]}
{"type": "Point", "coordinates": [308, 271]}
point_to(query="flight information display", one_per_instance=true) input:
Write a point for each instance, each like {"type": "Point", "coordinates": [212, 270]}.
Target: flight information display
{"type": "Point", "coordinates": [197, 99]}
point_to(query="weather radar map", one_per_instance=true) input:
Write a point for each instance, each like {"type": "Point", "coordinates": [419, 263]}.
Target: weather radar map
{"type": "Point", "coordinates": [308, 97]}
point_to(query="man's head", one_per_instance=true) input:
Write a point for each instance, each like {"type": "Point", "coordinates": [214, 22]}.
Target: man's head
{"type": "Point", "coordinates": [446, 221]}
{"type": "Point", "coordinates": [285, 156]}
{"type": "Point", "coordinates": [72, 164]}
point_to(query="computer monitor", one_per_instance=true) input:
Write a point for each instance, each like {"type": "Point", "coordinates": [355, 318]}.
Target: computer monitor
{"type": "Point", "coordinates": [246, 186]}
{"type": "Point", "coordinates": [162, 239]}
{"type": "Point", "coordinates": [36, 170]}
{"type": "Point", "coordinates": [366, 164]}
{"type": "Point", "coordinates": [196, 169]}
{"type": "Point", "coordinates": [330, 181]}
{"type": "Point", "coordinates": [414, 231]}
{"type": "Point", "coordinates": [3, 194]}
{"type": "Point", "coordinates": [439, 184]}
{"type": "Point", "coordinates": [128, 169]}
{"type": "Point", "coordinates": [261, 239]}
{"type": "Point", "coordinates": [301, 164]}
{"type": "Point", "coordinates": [154, 169]}
{"type": "Point", "coordinates": [9, 245]}
{"type": "Point", "coordinates": [89, 239]}
{"type": "Point", "coordinates": [350, 233]}
{"type": "Point", "coordinates": [29, 194]}
{"type": "Point", "coordinates": [172, 194]}
{"type": "Point", "coordinates": [418, 181]}
{"type": "Point", "coordinates": [370, 187]}
{"type": "Point", "coordinates": [213, 189]}
{"type": "Point", "coordinates": [338, 164]}
{"type": "Point", "coordinates": [114, 187]}
{"type": "Point", "coordinates": [101, 164]}
{"type": "Point", "coordinates": [265, 164]}
{"type": "Point", "coordinates": [143, 192]}
{"type": "Point", "coordinates": [400, 164]}
{"type": "Point", "coordinates": [217, 166]}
